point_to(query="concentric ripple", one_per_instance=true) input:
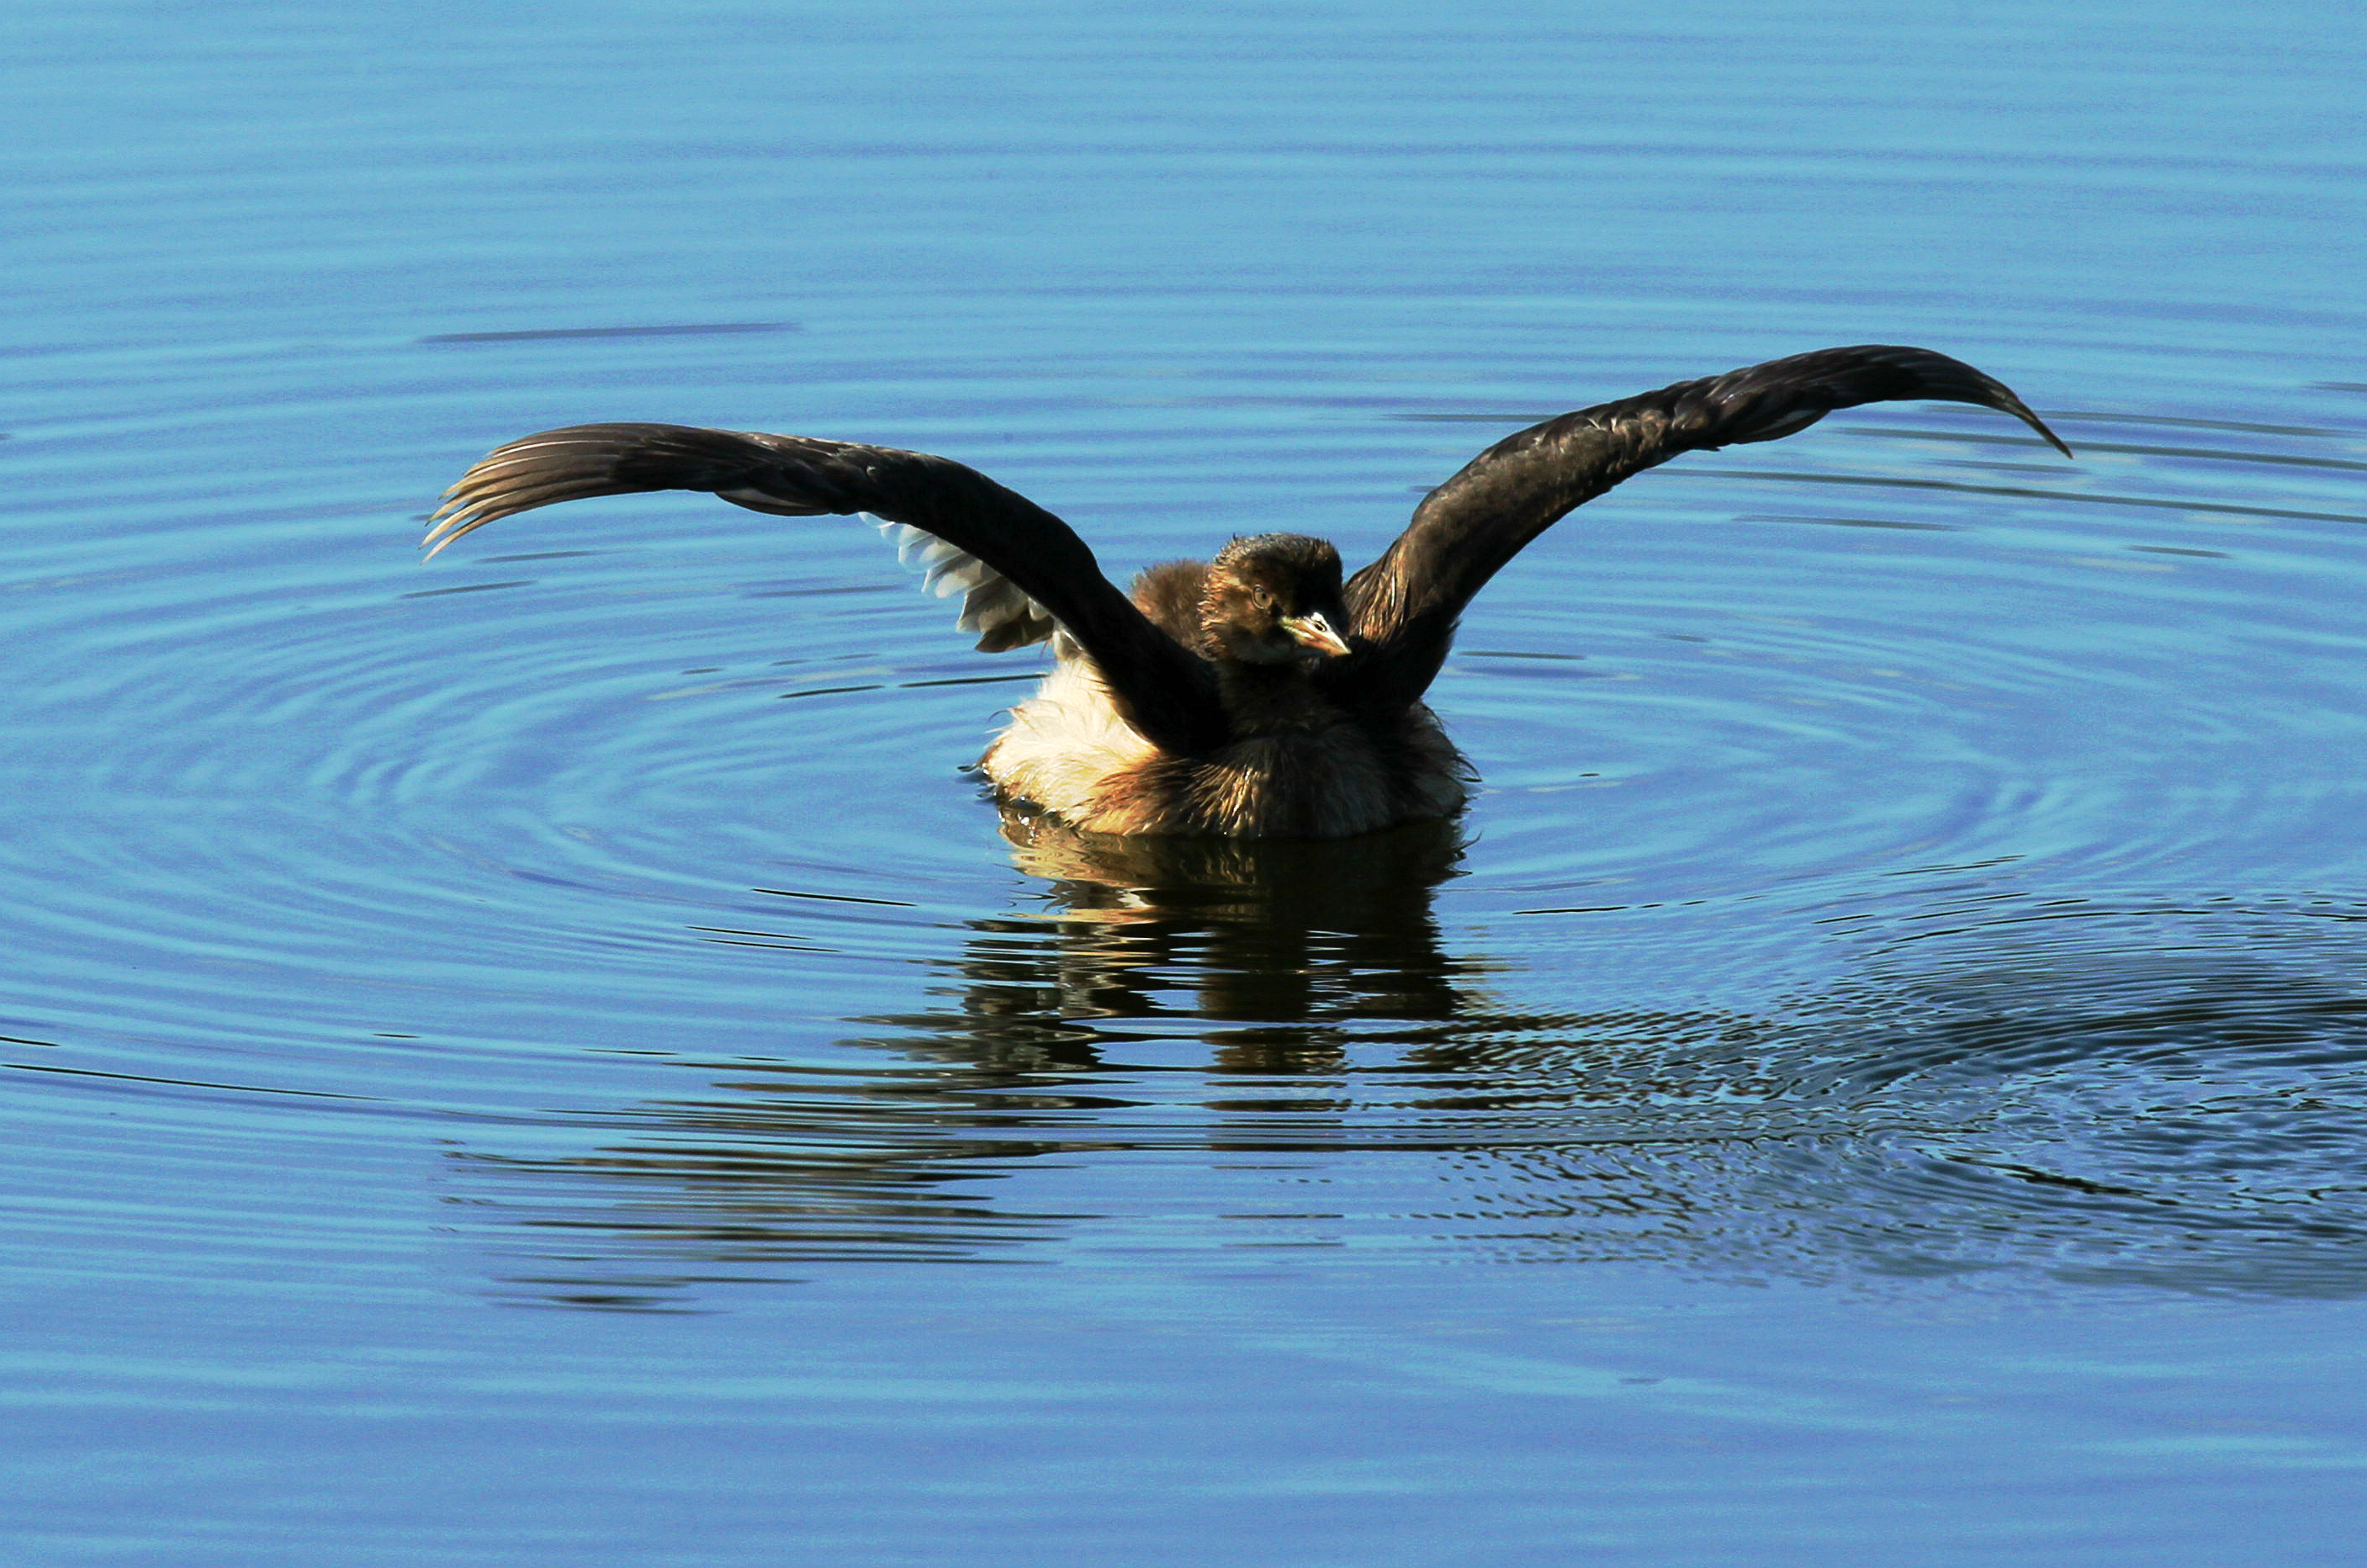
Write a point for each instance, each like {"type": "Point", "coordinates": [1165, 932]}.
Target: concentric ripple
{"type": "Point", "coordinates": [1896, 861]}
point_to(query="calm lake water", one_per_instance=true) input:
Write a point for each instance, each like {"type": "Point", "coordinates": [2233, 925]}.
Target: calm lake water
{"type": "Point", "coordinates": [548, 1058]}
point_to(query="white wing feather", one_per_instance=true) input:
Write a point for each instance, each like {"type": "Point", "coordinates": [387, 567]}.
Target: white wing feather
{"type": "Point", "coordinates": [993, 608]}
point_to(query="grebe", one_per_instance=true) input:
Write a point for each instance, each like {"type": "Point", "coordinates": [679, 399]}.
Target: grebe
{"type": "Point", "coordinates": [1256, 696]}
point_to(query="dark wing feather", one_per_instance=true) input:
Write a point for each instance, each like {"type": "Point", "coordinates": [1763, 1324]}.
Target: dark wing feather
{"type": "Point", "coordinates": [1404, 606]}
{"type": "Point", "coordinates": [1024, 574]}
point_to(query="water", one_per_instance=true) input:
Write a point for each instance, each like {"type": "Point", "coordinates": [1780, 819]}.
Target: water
{"type": "Point", "coordinates": [547, 1057]}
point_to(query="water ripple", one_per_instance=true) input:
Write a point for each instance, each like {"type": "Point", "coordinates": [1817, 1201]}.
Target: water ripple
{"type": "Point", "coordinates": [1778, 937]}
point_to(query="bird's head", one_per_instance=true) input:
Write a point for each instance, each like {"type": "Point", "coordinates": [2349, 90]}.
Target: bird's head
{"type": "Point", "coordinates": [1275, 599]}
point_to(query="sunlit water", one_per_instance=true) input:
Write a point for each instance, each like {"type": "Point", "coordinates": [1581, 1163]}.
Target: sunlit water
{"type": "Point", "coordinates": [531, 1059]}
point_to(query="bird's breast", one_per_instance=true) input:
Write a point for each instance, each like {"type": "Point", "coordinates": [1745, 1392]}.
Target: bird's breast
{"type": "Point", "coordinates": [1295, 771]}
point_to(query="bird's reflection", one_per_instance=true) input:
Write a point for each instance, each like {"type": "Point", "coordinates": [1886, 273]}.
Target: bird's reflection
{"type": "Point", "coordinates": [1265, 957]}
{"type": "Point", "coordinates": [1273, 949]}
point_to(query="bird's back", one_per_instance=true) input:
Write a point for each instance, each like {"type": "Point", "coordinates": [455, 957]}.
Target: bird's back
{"type": "Point", "coordinates": [1169, 594]}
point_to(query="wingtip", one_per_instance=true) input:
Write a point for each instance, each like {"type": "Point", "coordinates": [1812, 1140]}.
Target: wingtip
{"type": "Point", "coordinates": [2021, 411]}
{"type": "Point", "coordinates": [2002, 398]}
{"type": "Point", "coordinates": [448, 523]}
{"type": "Point", "coordinates": [1944, 375]}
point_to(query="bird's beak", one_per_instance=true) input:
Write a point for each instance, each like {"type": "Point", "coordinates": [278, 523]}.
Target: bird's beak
{"type": "Point", "coordinates": [1315, 633]}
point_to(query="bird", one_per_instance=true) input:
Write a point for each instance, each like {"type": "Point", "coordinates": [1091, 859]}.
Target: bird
{"type": "Point", "coordinates": [1263, 693]}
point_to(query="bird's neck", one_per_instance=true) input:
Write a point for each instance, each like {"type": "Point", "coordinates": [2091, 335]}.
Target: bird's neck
{"type": "Point", "coordinates": [1264, 699]}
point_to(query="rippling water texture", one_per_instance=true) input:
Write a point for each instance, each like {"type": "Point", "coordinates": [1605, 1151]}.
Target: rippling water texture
{"type": "Point", "coordinates": [548, 1058]}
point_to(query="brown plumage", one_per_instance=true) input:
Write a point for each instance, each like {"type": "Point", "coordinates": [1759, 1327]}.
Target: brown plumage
{"type": "Point", "coordinates": [1259, 694]}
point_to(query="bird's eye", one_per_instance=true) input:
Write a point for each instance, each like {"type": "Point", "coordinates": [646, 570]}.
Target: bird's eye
{"type": "Point", "coordinates": [1263, 601]}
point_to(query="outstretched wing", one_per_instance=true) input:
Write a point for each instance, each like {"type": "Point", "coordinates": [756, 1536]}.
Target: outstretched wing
{"type": "Point", "coordinates": [1405, 604]}
{"type": "Point", "coordinates": [1024, 574]}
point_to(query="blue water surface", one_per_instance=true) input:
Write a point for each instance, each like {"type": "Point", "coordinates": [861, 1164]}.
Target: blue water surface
{"type": "Point", "coordinates": [549, 1059]}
